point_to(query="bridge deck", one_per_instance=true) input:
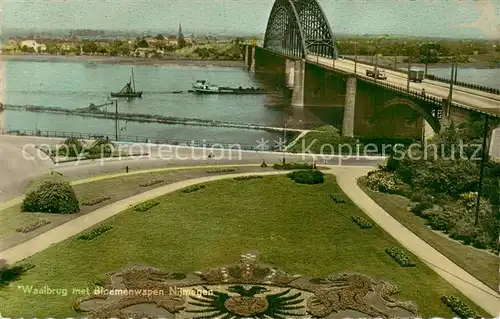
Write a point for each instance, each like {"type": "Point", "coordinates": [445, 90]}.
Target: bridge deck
{"type": "Point", "coordinates": [482, 101]}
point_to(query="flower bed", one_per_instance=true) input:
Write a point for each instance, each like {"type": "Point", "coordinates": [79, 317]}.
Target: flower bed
{"type": "Point", "coordinates": [142, 207]}
{"type": "Point", "coordinates": [95, 232]}
{"type": "Point", "coordinates": [459, 307]}
{"type": "Point", "coordinates": [243, 178]}
{"type": "Point", "coordinates": [222, 170]}
{"type": "Point", "coordinates": [95, 201]}
{"type": "Point", "coordinates": [193, 188]}
{"type": "Point", "coordinates": [400, 257]}
{"type": "Point", "coordinates": [31, 227]}
{"type": "Point", "coordinates": [362, 223]}
{"type": "Point", "coordinates": [337, 198]}
{"type": "Point", "coordinates": [151, 182]}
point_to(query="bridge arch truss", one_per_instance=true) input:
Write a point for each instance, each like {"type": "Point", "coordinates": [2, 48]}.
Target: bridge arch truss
{"type": "Point", "coordinates": [299, 28]}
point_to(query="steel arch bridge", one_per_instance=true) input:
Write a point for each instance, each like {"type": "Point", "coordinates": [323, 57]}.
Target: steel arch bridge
{"type": "Point", "coordinates": [298, 28]}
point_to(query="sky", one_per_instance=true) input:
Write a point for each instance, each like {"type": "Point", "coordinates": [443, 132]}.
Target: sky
{"type": "Point", "coordinates": [436, 18]}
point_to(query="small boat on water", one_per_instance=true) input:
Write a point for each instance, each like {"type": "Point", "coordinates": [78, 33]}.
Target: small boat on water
{"type": "Point", "coordinates": [202, 86]}
{"type": "Point", "coordinates": [128, 90]}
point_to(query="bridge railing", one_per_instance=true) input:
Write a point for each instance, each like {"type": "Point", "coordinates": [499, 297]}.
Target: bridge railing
{"type": "Point", "coordinates": [433, 77]}
{"type": "Point", "coordinates": [128, 138]}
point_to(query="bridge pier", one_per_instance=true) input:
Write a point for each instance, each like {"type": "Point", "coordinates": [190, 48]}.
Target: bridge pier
{"type": "Point", "coordinates": [298, 83]}
{"type": "Point", "coordinates": [247, 56]}
{"type": "Point", "coordinates": [290, 73]}
{"type": "Point", "coordinates": [349, 108]}
{"type": "Point", "coordinates": [452, 114]}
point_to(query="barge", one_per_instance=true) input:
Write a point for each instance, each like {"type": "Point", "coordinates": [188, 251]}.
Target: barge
{"type": "Point", "coordinates": [204, 87]}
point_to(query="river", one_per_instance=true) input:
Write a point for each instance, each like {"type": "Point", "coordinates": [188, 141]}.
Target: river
{"type": "Point", "coordinates": [76, 85]}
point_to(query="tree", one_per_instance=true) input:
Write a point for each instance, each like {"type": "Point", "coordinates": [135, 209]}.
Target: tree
{"type": "Point", "coordinates": [159, 37]}
{"type": "Point", "coordinates": [429, 53]}
{"type": "Point", "coordinates": [89, 47]}
{"type": "Point", "coordinates": [141, 43]}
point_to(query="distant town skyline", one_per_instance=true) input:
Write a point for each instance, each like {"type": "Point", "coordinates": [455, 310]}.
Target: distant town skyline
{"type": "Point", "coordinates": [432, 18]}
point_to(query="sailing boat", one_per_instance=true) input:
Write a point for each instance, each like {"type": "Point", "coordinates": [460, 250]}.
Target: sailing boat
{"type": "Point", "coordinates": [128, 90]}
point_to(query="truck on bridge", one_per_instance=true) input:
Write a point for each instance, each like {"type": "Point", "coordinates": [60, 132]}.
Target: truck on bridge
{"type": "Point", "coordinates": [416, 75]}
{"type": "Point", "coordinates": [376, 73]}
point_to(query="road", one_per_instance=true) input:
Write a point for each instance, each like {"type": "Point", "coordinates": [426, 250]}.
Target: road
{"type": "Point", "coordinates": [475, 99]}
{"type": "Point", "coordinates": [21, 162]}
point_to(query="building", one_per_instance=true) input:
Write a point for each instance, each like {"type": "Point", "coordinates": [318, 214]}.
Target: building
{"type": "Point", "coordinates": [147, 52]}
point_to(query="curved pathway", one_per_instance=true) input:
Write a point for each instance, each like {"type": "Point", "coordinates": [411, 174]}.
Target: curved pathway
{"type": "Point", "coordinates": [347, 177]}
{"type": "Point", "coordinates": [475, 290]}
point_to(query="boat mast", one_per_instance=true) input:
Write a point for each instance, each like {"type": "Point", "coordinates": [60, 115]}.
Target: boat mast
{"type": "Point", "coordinates": [133, 80]}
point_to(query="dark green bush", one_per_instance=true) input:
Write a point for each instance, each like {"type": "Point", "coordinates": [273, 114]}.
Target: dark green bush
{"type": "Point", "coordinates": [193, 188]}
{"type": "Point", "coordinates": [459, 307]}
{"type": "Point", "coordinates": [221, 170]}
{"type": "Point", "coordinates": [337, 198]}
{"type": "Point", "coordinates": [101, 146]}
{"type": "Point", "coordinates": [307, 177]}
{"type": "Point", "coordinates": [71, 147]}
{"type": "Point", "coordinates": [464, 231]}
{"type": "Point", "coordinates": [12, 273]}
{"type": "Point", "coordinates": [31, 227]}
{"type": "Point", "coordinates": [95, 201]}
{"type": "Point", "coordinates": [95, 232]}
{"type": "Point", "coordinates": [243, 178]}
{"type": "Point", "coordinates": [263, 164]}
{"type": "Point", "coordinates": [400, 257]}
{"type": "Point", "coordinates": [56, 197]}
{"type": "Point", "coordinates": [142, 207]}
{"type": "Point", "coordinates": [362, 223]}
{"type": "Point", "coordinates": [290, 166]}
{"type": "Point", "coordinates": [151, 182]}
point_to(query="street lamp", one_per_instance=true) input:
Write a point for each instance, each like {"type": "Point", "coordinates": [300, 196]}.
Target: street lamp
{"type": "Point", "coordinates": [355, 56]}
{"type": "Point", "coordinates": [409, 53]}
{"type": "Point", "coordinates": [284, 142]}
{"type": "Point", "coordinates": [481, 169]}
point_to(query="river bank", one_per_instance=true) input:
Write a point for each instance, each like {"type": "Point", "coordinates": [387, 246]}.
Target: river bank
{"type": "Point", "coordinates": [118, 60]}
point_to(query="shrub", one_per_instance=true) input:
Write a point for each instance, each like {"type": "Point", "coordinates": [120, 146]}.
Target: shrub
{"type": "Point", "coordinates": [95, 201]}
{"type": "Point", "coordinates": [101, 146]}
{"type": "Point", "coordinates": [337, 198]}
{"type": "Point", "coordinates": [56, 197]}
{"type": "Point", "coordinates": [425, 202]}
{"type": "Point", "coordinates": [441, 218]}
{"type": "Point", "coordinates": [142, 207]}
{"type": "Point", "coordinates": [31, 227]}
{"type": "Point", "coordinates": [464, 231]}
{"type": "Point", "coordinates": [481, 241]}
{"type": "Point", "coordinates": [71, 147]}
{"type": "Point", "coordinates": [263, 164]}
{"type": "Point", "coordinates": [362, 223]}
{"type": "Point", "coordinates": [384, 181]}
{"type": "Point", "coordinates": [12, 273]}
{"type": "Point", "coordinates": [400, 257]}
{"type": "Point", "coordinates": [95, 232]}
{"type": "Point", "coordinates": [193, 188]}
{"type": "Point", "coordinates": [243, 178]}
{"type": "Point", "coordinates": [459, 307]}
{"type": "Point", "coordinates": [307, 177]}
{"type": "Point", "coordinates": [222, 170]}
{"type": "Point", "coordinates": [151, 182]}
{"type": "Point", "coordinates": [290, 166]}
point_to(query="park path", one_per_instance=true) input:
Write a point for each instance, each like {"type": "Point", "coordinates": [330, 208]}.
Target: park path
{"type": "Point", "coordinates": [347, 177]}
{"type": "Point", "coordinates": [475, 290]}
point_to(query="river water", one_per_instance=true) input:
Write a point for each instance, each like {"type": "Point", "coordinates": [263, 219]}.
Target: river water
{"type": "Point", "coordinates": [76, 85]}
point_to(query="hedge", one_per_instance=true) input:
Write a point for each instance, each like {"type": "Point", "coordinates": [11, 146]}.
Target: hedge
{"type": "Point", "coordinates": [307, 177]}
{"type": "Point", "coordinates": [223, 170]}
{"type": "Point", "coordinates": [243, 178]}
{"type": "Point", "coordinates": [142, 207]}
{"type": "Point", "coordinates": [193, 188]}
{"type": "Point", "coordinates": [400, 257]}
{"type": "Point", "coordinates": [362, 223]}
{"type": "Point", "coordinates": [12, 273]}
{"type": "Point", "coordinates": [288, 166]}
{"type": "Point", "coordinates": [95, 201]}
{"type": "Point", "coordinates": [95, 232]}
{"type": "Point", "coordinates": [56, 197]}
{"type": "Point", "coordinates": [337, 198]}
{"type": "Point", "coordinates": [459, 307]}
{"type": "Point", "coordinates": [31, 227]}
{"type": "Point", "coordinates": [151, 182]}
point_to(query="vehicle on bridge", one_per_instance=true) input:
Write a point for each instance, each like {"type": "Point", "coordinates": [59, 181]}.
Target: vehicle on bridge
{"type": "Point", "coordinates": [376, 73]}
{"type": "Point", "coordinates": [416, 75]}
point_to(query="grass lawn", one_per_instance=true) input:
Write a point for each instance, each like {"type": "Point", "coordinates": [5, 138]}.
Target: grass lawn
{"type": "Point", "coordinates": [117, 188]}
{"type": "Point", "coordinates": [296, 227]}
{"type": "Point", "coordinates": [481, 264]}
